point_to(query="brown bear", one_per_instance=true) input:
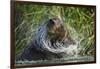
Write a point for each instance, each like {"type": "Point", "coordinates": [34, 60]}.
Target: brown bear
{"type": "Point", "coordinates": [51, 41]}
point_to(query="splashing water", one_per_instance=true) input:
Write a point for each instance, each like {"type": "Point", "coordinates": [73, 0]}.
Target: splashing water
{"type": "Point", "coordinates": [57, 47]}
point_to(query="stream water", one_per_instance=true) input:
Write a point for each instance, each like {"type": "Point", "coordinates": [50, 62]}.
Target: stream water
{"type": "Point", "coordinates": [63, 60]}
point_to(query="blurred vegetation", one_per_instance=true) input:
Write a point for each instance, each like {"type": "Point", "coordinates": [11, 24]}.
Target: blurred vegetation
{"type": "Point", "coordinates": [28, 17]}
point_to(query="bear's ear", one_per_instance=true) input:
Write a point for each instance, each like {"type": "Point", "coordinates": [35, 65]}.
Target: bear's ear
{"type": "Point", "coordinates": [51, 21]}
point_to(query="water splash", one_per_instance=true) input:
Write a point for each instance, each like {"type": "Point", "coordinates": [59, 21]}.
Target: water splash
{"type": "Point", "coordinates": [58, 47]}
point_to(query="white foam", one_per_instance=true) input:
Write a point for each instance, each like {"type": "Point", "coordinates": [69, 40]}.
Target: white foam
{"type": "Point", "coordinates": [57, 47]}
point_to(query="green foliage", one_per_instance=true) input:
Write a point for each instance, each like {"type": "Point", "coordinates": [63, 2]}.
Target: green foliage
{"type": "Point", "coordinates": [28, 17]}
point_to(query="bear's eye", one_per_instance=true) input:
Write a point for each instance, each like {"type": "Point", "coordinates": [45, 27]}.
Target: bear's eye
{"type": "Point", "coordinates": [61, 26]}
